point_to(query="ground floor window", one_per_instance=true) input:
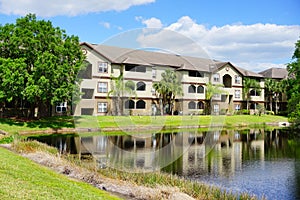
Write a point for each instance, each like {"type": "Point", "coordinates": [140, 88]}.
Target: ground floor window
{"type": "Point", "coordinates": [237, 107]}
{"type": "Point", "coordinates": [61, 107]}
{"type": "Point", "coordinates": [140, 104]}
{"type": "Point", "coordinates": [216, 108]}
{"type": "Point", "coordinates": [192, 105]}
{"type": "Point", "coordinates": [102, 107]}
{"type": "Point", "coordinates": [129, 104]}
{"type": "Point", "coordinates": [200, 105]}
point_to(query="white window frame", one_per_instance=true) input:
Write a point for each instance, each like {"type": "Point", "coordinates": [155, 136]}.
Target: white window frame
{"type": "Point", "coordinates": [61, 107]}
{"type": "Point", "coordinates": [237, 79]}
{"type": "Point", "coordinates": [216, 108]}
{"type": "Point", "coordinates": [216, 78]}
{"type": "Point", "coordinates": [102, 89]}
{"type": "Point", "coordinates": [237, 94]}
{"type": "Point", "coordinates": [154, 73]}
{"type": "Point", "coordinates": [102, 107]}
{"type": "Point", "coordinates": [237, 107]}
{"type": "Point", "coordinates": [102, 67]}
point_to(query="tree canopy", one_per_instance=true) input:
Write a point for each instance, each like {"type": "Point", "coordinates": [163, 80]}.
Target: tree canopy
{"type": "Point", "coordinates": [248, 84]}
{"type": "Point", "coordinates": [167, 89]}
{"type": "Point", "coordinates": [119, 89]}
{"type": "Point", "coordinates": [294, 85]}
{"type": "Point", "coordinates": [38, 65]}
{"type": "Point", "coordinates": [210, 91]}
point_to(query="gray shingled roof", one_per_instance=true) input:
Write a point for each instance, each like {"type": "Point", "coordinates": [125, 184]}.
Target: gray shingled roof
{"type": "Point", "coordinates": [151, 58]}
{"type": "Point", "coordinates": [279, 73]}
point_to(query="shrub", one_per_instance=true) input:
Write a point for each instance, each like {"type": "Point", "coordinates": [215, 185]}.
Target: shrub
{"type": "Point", "coordinates": [6, 140]}
{"type": "Point", "coordinates": [245, 112]}
{"type": "Point", "coordinates": [269, 112]}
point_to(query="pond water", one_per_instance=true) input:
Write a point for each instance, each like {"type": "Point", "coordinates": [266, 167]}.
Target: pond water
{"type": "Point", "coordinates": [265, 163]}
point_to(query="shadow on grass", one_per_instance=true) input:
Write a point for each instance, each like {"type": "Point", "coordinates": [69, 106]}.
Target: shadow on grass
{"type": "Point", "coordinates": [57, 122]}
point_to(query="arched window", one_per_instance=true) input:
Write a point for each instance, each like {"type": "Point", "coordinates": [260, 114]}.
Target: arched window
{"type": "Point", "coordinates": [140, 104]}
{"type": "Point", "coordinates": [200, 105]}
{"type": "Point", "coordinates": [227, 81]}
{"type": "Point", "coordinates": [129, 104]}
{"type": "Point", "coordinates": [192, 105]}
{"type": "Point", "coordinates": [140, 86]}
{"type": "Point", "coordinates": [192, 89]}
{"type": "Point", "coordinates": [200, 89]}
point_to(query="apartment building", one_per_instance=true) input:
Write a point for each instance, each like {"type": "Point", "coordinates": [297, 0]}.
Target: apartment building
{"type": "Point", "coordinates": [277, 74]}
{"type": "Point", "coordinates": [143, 68]}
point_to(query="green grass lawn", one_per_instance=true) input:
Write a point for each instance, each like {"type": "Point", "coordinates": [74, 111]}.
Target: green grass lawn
{"type": "Point", "coordinates": [21, 178]}
{"type": "Point", "coordinates": [13, 126]}
{"type": "Point", "coordinates": [169, 121]}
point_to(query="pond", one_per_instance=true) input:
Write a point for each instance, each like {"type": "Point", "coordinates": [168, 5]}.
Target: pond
{"type": "Point", "coordinates": [265, 163]}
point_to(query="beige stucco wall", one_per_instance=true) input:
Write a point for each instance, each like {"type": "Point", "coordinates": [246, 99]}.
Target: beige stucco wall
{"type": "Point", "coordinates": [149, 79]}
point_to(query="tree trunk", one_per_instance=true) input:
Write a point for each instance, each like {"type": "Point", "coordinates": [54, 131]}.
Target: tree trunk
{"type": "Point", "coordinates": [31, 111]}
{"type": "Point", "coordinates": [271, 109]}
{"type": "Point", "coordinates": [118, 102]}
{"type": "Point", "coordinates": [276, 104]}
{"type": "Point", "coordinates": [161, 106]}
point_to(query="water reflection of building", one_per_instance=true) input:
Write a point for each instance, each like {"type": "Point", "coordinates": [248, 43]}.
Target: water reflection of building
{"type": "Point", "coordinates": [218, 152]}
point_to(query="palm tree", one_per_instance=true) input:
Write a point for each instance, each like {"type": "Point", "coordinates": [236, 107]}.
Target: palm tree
{"type": "Point", "coordinates": [160, 90]}
{"type": "Point", "coordinates": [279, 88]}
{"type": "Point", "coordinates": [118, 89]}
{"type": "Point", "coordinates": [167, 90]}
{"type": "Point", "coordinates": [269, 87]}
{"type": "Point", "coordinates": [248, 84]}
{"type": "Point", "coordinates": [274, 90]}
{"type": "Point", "coordinates": [210, 91]}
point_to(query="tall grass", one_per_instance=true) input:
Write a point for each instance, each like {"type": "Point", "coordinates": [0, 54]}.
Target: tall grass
{"type": "Point", "coordinates": [192, 188]}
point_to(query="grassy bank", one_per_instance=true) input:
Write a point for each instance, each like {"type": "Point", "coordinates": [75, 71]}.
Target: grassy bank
{"type": "Point", "coordinates": [21, 178]}
{"type": "Point", "coordinates": [192, 188]}
{"type": "Point", "coordinates": [160, 185]}
{"type": "Point", "coordinates": [12, 126]}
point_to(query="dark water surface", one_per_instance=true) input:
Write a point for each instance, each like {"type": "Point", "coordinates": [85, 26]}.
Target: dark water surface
{"type": "Point", "coordinates": [257, 161]}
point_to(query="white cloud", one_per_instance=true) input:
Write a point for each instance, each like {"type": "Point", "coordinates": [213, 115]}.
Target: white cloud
{"type": "Point", "coordinates": [151, 22]}
{"type": "Point", "coordinates": [253, 46]}
{"type": "Point", "coordinates": [105, 24]}
{"type": "Point", "coordinates": [46, 8]}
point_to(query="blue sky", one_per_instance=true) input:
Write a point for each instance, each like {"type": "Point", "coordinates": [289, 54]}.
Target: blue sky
{"type": "Point", "coordinates": [255, 34]}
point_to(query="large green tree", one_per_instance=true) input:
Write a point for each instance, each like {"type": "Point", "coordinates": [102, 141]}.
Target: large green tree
{"type": "Point", "coordinates": [167, 89]}
{"type": "Point", "coordinates": [38, 65]}
{"type": "Point", "coordinates": [294, 89]}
